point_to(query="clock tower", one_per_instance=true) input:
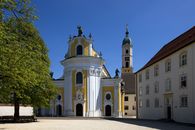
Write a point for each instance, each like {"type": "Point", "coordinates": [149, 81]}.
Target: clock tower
{"type": "Point", "coordinates": [127, 60]}
{"type": "Point", "coordinates": [128, 76]}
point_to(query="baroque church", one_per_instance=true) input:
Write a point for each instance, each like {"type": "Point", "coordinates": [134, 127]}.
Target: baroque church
{"type": "Point", "coordinates": [86, 87]}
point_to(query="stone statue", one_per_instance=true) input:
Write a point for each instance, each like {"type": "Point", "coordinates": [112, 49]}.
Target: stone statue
{"type": "Point", "coordinates": [117, 73]}
{"type": "Point", "coordinates": [80, 31]}
{"type": "Point", "coordinates": [90, 36]}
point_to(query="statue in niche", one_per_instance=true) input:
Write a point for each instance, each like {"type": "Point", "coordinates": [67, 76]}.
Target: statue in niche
{"type": "Point", "coordinates": [79, 95]}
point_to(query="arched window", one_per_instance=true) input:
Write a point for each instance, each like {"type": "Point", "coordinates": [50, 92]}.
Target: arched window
{"type": "Point", "coordinates": [59, 97]}
{"type": "Point", "coordinates": [183, 59]}
{"type": "Point", "coordinates": [127, 51]}
{"type": "Point", "coordinates": [79, 50]}
{"type": "Point", "coordinates": [127, 65]}
{"type": "Point", "coordinates": [79, 78]}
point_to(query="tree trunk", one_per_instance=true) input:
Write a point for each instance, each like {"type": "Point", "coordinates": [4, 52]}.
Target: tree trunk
{"type": "Point", "coordinates": [16, 108]}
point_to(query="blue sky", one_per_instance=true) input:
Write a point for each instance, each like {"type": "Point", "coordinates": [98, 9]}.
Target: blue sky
{"type": "Point", "coordinates": [152, 23]}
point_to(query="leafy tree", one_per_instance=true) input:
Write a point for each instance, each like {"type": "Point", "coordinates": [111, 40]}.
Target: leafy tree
{"type": "Point", "coordinates": [24, 64]}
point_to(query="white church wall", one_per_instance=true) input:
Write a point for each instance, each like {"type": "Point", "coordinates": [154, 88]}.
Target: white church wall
{"type": "Point", "coordinates": [59, 83]}
{"type": "Point", "coordinates": [193, 84]}
{"type": "Point", "coordinates": [68, 93]}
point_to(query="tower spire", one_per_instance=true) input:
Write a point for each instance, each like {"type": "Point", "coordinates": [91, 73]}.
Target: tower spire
{"type": "Point", "coordinates": [126, 39]}
{"type": "Point", "coordinates": [127, 32]}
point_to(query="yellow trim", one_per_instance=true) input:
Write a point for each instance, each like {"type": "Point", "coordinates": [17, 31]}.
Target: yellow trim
{"type": "Point", "coordinates": [122, 103]}
{"type": "Point", "coordinates": [73, 88]}
{"type": "Point", "coordinates": [85, 88]}
{"type": "Point", "coordinates": [126, 70]}
{"type": "Point", "coordinates": [94, 53]}
{"type": "Point", "coordinates": [119, 99]}
{"type": "Point", "coordinates": [85, 45]}
{"type": "Point", "coordinates": [104, 90]}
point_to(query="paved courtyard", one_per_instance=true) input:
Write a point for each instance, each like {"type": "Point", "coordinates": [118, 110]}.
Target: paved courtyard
{"type": "Point", "coordinates": [95, 124]}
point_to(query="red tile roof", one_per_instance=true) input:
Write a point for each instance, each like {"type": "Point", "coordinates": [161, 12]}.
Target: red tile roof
{"type": "Point", "coordinates": [178, 43]}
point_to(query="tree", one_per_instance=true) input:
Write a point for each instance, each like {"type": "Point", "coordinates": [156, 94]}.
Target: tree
{"type": "Point", "coordinates": [24, 63]}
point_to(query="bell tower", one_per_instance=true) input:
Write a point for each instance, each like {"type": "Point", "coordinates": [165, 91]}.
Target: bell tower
{"type": "Point", "coordinates": [127, 54]}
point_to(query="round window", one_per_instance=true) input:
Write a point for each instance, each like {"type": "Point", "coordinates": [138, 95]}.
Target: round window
{"type": "Point", "coordinates": [108, 96]}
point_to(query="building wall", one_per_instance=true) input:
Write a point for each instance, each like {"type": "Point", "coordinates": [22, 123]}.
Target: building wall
{"type": "Point", "coordinates": [193, 77]}
{"type": "Point", "coordinates": [8, 110]}
{"type": "Point", "coordinates": [131, 103]}
{"type": "Point", "coordinates": [180, 114]}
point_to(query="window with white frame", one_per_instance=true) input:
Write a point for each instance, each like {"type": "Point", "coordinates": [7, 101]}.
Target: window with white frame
{"type": "Point", "coordinates": [156, 102]}
{"type": "Point", "coordinates": [147, 103]}
{"type": "Point", "coordinates": [183, 59]}
{"type": "Point", "coordinates": [183, 81]}
{"type": "Point", "coordinates": [156, 70]}
{"type": "Point", "coordinates": [183, 101]}
{"type": "Point", "coordinates": [156, 87]}
{"type": "Point", "coordinates": [168, 85]}
{"type": "Point", "coordinates": [147, 74]}
{"type": "Point", "coordinates": [140, 103]}
{"type": "Point", "coordinates": [140, 78]}
{"type": "Point", "coordinates": [168, 65]}
{"type": "Point", "coordinates": [147, 90]}
{"type": "Point", "coordinates": [140, 91]}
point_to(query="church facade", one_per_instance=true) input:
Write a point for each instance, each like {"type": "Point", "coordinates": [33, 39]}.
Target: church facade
{"type": "Point", "coordinates": [86, 87]}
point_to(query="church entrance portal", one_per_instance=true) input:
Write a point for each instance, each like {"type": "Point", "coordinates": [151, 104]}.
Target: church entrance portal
{"type": "Point", "coordinates": [169, 112]}
{"type": "Point", "coordinates": [59, 110]}
{"type": "Point", "coordinates": [79, 110]}
{"type": "Point", "coordinates": [108, 110]}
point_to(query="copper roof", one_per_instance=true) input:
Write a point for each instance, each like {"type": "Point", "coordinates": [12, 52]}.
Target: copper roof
{"type": "Point", "coordinates": [178, 43]}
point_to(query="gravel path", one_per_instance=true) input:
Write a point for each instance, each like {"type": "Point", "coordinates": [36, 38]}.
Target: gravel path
{"type": "Point", "coordinates": [95, 124]}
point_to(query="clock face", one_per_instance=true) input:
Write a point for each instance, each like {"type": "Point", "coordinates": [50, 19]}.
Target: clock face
{"type": "Point", "coordinates": [108, 96]}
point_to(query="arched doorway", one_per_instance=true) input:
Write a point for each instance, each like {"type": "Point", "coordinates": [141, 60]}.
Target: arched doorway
{"type": "Point", "coordinates": [59, 110]}
{"type": "Point", "coordinates": [108, 110]}
{"type": "Point", "coordinates": [79, 110]}
{"type": "Point", "coordinates": [169, 112]}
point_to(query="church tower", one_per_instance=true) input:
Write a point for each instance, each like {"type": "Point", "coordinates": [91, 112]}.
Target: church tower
{"type": "Point", "coordinates": [127, 60]}
{"type": "Point", "coordinates": [128, 76]}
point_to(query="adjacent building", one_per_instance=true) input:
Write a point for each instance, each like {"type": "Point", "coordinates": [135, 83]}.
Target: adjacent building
{"type": "Point", "coordinates": [166, 84]}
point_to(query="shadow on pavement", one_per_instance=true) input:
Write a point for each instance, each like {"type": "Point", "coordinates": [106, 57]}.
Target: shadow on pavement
{"type": "Point", "coordinates": [155, 124]}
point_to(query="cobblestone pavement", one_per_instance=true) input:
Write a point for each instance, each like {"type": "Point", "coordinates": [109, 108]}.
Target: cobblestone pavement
{"type": "Point", "coordinates": [95, 124]}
